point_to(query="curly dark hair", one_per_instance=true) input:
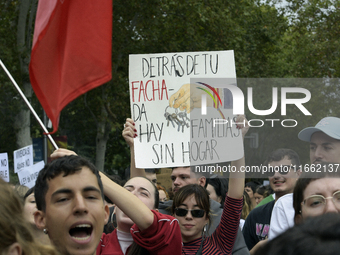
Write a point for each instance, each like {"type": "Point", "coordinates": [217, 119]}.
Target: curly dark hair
{"type": "Point", "coordinates": [65, 165]}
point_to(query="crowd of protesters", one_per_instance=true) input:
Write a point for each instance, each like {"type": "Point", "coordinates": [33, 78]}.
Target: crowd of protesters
{"type": "Point", "coordinates": [75, 209]}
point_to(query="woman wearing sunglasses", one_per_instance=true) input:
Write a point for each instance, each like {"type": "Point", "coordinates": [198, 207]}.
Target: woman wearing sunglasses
{"type": "Point", "coordinates": [317, 192]}
{"type": "Point", "coordinates": [191, 207]}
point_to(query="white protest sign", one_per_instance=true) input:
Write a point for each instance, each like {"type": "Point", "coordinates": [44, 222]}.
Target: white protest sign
{"type": "Point", "coordinates": [29, 175]}
{"type": "Point", "coordinates": [23, 158]}
{"type": "Point", "coordinates": [169, 84]}
{"type": "Point", "coordinates": [4, 169]}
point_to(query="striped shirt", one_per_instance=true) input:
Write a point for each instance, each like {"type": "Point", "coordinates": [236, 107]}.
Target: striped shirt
{"type": "Point", "coordinates": [223, 239]}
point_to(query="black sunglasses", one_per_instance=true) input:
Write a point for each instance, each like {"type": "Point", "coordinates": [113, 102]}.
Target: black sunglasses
{"type": "Point", "coordinates": [197, 213]}
{"type": "Point", "coordinates": [283, 170]}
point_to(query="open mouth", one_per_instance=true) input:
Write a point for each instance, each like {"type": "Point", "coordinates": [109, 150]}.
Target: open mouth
{"type": "Point", "coordinates": [279, 182]}
{"type": "Point", "coordinates": [81, 232]}
{"type": "Point", "coordinates": [188, 225]}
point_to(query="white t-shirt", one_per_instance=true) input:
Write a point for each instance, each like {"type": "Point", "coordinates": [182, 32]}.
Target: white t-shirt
{"type": "Point", "coordinates": [125, 240]}
{"type": "Point", "coordinates": [282, 216]}
{"type": "Point", "coordinates": [241, 223]}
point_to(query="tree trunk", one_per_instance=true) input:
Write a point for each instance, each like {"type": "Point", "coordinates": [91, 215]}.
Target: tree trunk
{"type": "Point", "coordinates": [22, 122]}
{"type": "Point", "coordinates": [103, 131]}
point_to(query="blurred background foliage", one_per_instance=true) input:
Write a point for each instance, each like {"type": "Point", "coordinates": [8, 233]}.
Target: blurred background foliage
{"type": "Point", "coordinates": [270, 39]}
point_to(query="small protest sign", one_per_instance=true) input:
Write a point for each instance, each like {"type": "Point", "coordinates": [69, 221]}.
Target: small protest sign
{"type": "Point", "coordinates": [4, 169]}
{"type": "Point", "coordinates": [23, 158]}
{"type": "Point", "coordinates": [29, 175]}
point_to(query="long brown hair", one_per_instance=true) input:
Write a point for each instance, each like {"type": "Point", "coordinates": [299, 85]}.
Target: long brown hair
{"type": "Point", "coordinates": [246, 206]}
{"type": "Point", "coordinates": [14, 228]}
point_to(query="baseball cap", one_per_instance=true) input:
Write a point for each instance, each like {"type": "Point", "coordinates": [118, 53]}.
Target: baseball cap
{"type": "Point", "coordinates": [329, 125]}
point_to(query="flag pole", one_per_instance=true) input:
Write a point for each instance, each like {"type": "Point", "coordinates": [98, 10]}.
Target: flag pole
{"type": "Point", "coordinates": [29, 106]}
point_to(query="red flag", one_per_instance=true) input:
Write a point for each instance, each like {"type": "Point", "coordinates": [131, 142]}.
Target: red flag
{"type": "Point", "coordinates": [71, 51]}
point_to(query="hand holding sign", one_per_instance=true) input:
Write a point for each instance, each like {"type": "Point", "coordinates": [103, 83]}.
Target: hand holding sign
{"type": "Point", "coordinates": [129, 132]}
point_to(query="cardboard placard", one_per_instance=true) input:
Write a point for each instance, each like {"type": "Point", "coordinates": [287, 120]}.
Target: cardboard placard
{"type": "Point", "coordinates": [176, 85]}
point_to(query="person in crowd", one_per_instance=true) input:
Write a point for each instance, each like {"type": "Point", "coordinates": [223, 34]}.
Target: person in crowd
{"type": "Point", "coordinates": [283, 178]}
{"type": "Point", "coordinates": [30, 207]}
{"type": "Point", "coordinates": [138, 228]}
{"type": "Point", "coordinates": [319, 235]}
{"type": "Point", "coordinates": [267, 199]}
{"type": "Point", "coordinates": [191, 207]}
{"type": "Point", "coordinates": [258, 195]}
{"type": "Point", "coordinates": [112, 224]}
{"type": "Point", "coordinates": [182, 176]}
{"type": "Point", "coordinates": [217, 188]}
{"type": "Point", "coordinates": [250, 188]}
{"type": "Point", "coordinates": [262, 192]}
{"type": "Point", "coordinates": [70, 201]}
{"type": "Point", "coordinates": [151, 175]}
{"type": "Point", "coordinates": [324, 140]}
{"type": "Point", "coordinates": [269, 196]}
{"type": "Point", "coordinates": [317, 193]}
{"type": "Point", "coordinates": [163, 194]}
{"type": "Point", "coordinates": [15, 235]}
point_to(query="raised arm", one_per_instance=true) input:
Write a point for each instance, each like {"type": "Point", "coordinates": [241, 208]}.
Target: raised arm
{"type": "Point", "coordinates": [131, 205]}
{"type": "Point", "coordinates": [236, 179]}
{"type": "Point", "coordinates": [129, 133]}
{"type": "Point", "coordinates": [226, 232]}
